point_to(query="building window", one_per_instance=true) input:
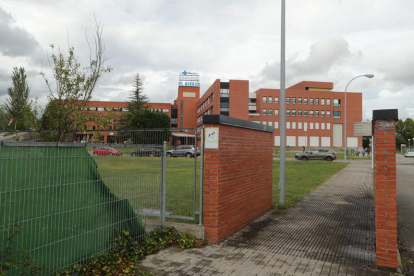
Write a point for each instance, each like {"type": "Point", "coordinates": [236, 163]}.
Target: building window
{"type": "Point", "coordinates": [270, 123]}
{"type": "Point", "coordinates": [328, 114]}
{"type": "Point", "coordinates": [305, 100]}
{"type": "Point", "coordinates": [299, 125]}
{"type": "Point", "coordinates": [276, 100]}
{"type": "Point", "coordinates": [311, 101]}
{"type": "Point", "coordinates": [181, 123]}
{"type": "Point", "coordinates": [305, 126]}
{"type": "Point", "coordinates": [181, 103]}
{"type": "Point", "coordinates": [293, 100]}
{"type": "Point", "coordinates": [316, 125]}
{"type": "Point", "coordinates": [264, 99]}
{"type": "Point", "coordinates": [337, 114]}
{"type": "Point", "coordinates": [305, 113]}
{"type": "Point", "coordinates": [224, 106]}
{"type": "Point", "coordinates": [316, 101]}
{"type": "Point", "coordinates": [336, 102]}
{"type": "Point", "coordinates": [299, 100]}
{"type": "Point", "coordinates": [323, 113]}
{"type": "Point", "coordinates": [322, 101]}
{"type": "Point", "coordinates": [310, 113]}
{"type": "Point", "coordinates": [288, 112]}
{"type": "Point", "coordinates": [288, 100]}
{"type": "Point", "coordinates": [311, 125]}
{"type": "Point", "coordinates": [101, 109]}
{"type": "Point", "coordinates": [224, 93]}
{"type": "Point", "coordinates": [293, 125]}
{"type": "Point", "coordinates": [264, 112]}
{"type": "Point", "coordinates": [276, 112]}
{"type": "Point", "coordinates": [181, 113]}
{"type": "Point", "coordinates": [276, 124]}
{"type": "Point", "coordinates": [317, 113]}
{"type": "Point", "coordinates": [322, 125]}
{"type": "Point", "coordinates": [270, 99]}
{"type": "Point", "coordinates": [299, 112]}
{"type": "Point", "coordinates": [328, 101]}
{"type": "Point", "coordinates": [287, 125]}
{"type": "Point", "coordinates": [293, 112]}
{"type": "Point", "coordinates": [328, 125]}
{"type": "Point", "coordinates": [270, 112]}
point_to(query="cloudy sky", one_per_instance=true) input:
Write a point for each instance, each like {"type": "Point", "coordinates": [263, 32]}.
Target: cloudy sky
{"type": "Point", "coordinates": [327, 40]}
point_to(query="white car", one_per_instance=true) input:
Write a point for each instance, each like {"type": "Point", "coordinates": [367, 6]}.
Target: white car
{"type": "Point", "coordinates": [409, 153]}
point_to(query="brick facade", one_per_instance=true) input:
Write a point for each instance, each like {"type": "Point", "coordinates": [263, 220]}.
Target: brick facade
{"type": "Point", "coordinates": [385, 194]}
{"type": "Point", "coordinates": [237, 180]}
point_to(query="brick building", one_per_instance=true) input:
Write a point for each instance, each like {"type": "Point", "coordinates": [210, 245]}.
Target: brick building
{"type": "Point", "coordinates": [314, 113]}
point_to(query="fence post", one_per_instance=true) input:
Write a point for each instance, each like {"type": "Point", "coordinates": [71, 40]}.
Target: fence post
{"type": "Point", "coordinates": [195, 174]}
{"type": "Point", "coordinates": [163, 183]}
{"type": "Point", "coordinates": [201, 175]}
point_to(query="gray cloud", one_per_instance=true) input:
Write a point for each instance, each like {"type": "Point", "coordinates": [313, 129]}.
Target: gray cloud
{"type": "Point", "coordinates": [15, 41]}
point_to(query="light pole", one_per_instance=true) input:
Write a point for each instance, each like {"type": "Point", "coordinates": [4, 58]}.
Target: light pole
{"type": "Point", "coordinates": [282, 174]}
{"type": "Point", "coordinates": [409, 143]}
{"type": "Point", "coordinates": [370, 76]}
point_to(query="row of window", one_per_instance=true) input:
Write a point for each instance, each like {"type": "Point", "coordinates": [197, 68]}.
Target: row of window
{"type": "Point", "coordinates": [224, 92]}
{"type": "Point", "coordinates": [93, 127]}
{"type": "Point", "coordinates": [107, 108]}
{"type": "Point", "coordinates": [205, 103]}
{"type": "Point", "coordinates": [294, 100]}
{"type": "Point", "coordinates": [160, 110]}
{"type": "Point", "coordinates": [300, 125]}
{"type": "Point", "coordinates": [207, 112]}
{"type": "Point", "coordinates": [92, 119]}
{"type": "Point", "coordinates": [303, 113]}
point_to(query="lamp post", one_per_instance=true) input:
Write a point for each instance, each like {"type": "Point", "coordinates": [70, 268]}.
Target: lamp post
{"type": "Point", "coordinates": [282, 174]}
{"type": "Point", "coordinates": [370, 76]}
{"type": "Point", "coordinates": [409, 143]}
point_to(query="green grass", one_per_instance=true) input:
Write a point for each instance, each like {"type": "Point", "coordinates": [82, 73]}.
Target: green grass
{"type": "Point", "coordinates": [138, 179]}
{"type": "Point", "coordinates": [302, 178]}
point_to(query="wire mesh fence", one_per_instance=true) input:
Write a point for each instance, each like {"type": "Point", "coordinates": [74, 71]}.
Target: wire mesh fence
{"type": "Point", "coordinates": [62, 201]}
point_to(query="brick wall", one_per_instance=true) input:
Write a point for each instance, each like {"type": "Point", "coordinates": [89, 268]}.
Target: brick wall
{"type": "Point", "coordinates": [385, 194]}
{"type": "Point", "coordinates": [237, 180]}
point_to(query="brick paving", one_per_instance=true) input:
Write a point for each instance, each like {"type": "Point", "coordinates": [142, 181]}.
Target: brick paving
{"type": "Point", "coordinates": [330, 232]}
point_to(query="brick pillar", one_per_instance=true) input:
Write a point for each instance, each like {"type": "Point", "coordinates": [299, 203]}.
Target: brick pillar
{"type": "Point", "coordinates": [385, 193]}
{"type": "Point", "coordinates": [237, 175]}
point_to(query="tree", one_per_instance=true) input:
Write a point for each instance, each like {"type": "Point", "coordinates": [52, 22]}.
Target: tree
{"type": "Point", "coordinates": [405, 131]}
{"type": "Point", "coordinates": [4, 118]}
{"type": "Point", "coordinates": [146, 119]}
{"type": "Point", "coordinates": [138, 98]}
{"type": "Point", "coordinates": [73, 85]}
{"type": "Point", "coordinates": [19, 108]}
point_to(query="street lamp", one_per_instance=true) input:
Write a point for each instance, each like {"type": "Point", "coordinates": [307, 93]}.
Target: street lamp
{"type": "Point", "coordinates": [370, 76]}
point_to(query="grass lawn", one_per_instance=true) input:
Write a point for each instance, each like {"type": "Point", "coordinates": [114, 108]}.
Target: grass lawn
{"type": "Point", "coordinates": [302, 178]}
{"type": "Point", "coordinates": [138, 179]}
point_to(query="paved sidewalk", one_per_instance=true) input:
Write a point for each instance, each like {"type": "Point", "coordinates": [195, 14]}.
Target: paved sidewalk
{"type": "Point", "coordinates": [330, 232]}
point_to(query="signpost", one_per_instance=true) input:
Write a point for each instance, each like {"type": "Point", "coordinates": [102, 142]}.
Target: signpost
{"type": "Point", "coordinates": [365, 129]}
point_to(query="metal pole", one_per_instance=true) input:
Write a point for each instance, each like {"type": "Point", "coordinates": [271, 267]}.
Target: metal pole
{"type": "Point", "coordinates": [282, 176]}
{"type": "Point", "coordinates": [195, 174]}
{"type": "Point", "coordinates": [372, 151]}
{"type": "Point", "coordinates": [345, 107]}
{"type": "Point", "coordinates": [163, 183]}
{"type": "Point", "coordinates": [201, 176]}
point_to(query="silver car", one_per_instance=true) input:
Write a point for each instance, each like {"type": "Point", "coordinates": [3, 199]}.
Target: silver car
{"type": "Point", "coordinates": [184, 151]}
{"type": "Point", "coordinates": [316, 154]}
{"type": "Point", "coordinates": [409, 153]}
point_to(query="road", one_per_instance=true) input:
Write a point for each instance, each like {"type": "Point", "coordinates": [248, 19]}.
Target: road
{"type": "Point", "coordinates": [405, 194]}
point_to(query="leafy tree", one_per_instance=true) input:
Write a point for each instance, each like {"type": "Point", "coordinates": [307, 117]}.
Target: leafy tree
{"type": "Point", "coordinates": [405, 131]}
{"type": "Point", "coordinates": [138, 98]}
{"type": "Point", "coordinates": [4, 118]}
{"type": "Point", "coordinates": [18, 106]}
{"type": "Point", "coordinates": [73, 85]}
{"type": "Point", "coordinates": [146, 119]}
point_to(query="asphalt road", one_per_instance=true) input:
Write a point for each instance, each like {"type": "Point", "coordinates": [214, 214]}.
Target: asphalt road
{"type": "Point", "coordinates": [405, 194]}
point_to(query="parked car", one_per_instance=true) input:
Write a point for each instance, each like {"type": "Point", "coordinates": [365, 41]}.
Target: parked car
{"type": "Point", "coordinates": [106, 151]}
{"type": "Point", "coordinates": [316, 154]}
{"type": "Point", "coordinates": [409, 153]}
{"type": "Point", "coordinates": [184, 151]}
{"type": "Point", "coordinates": [147, 151]}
